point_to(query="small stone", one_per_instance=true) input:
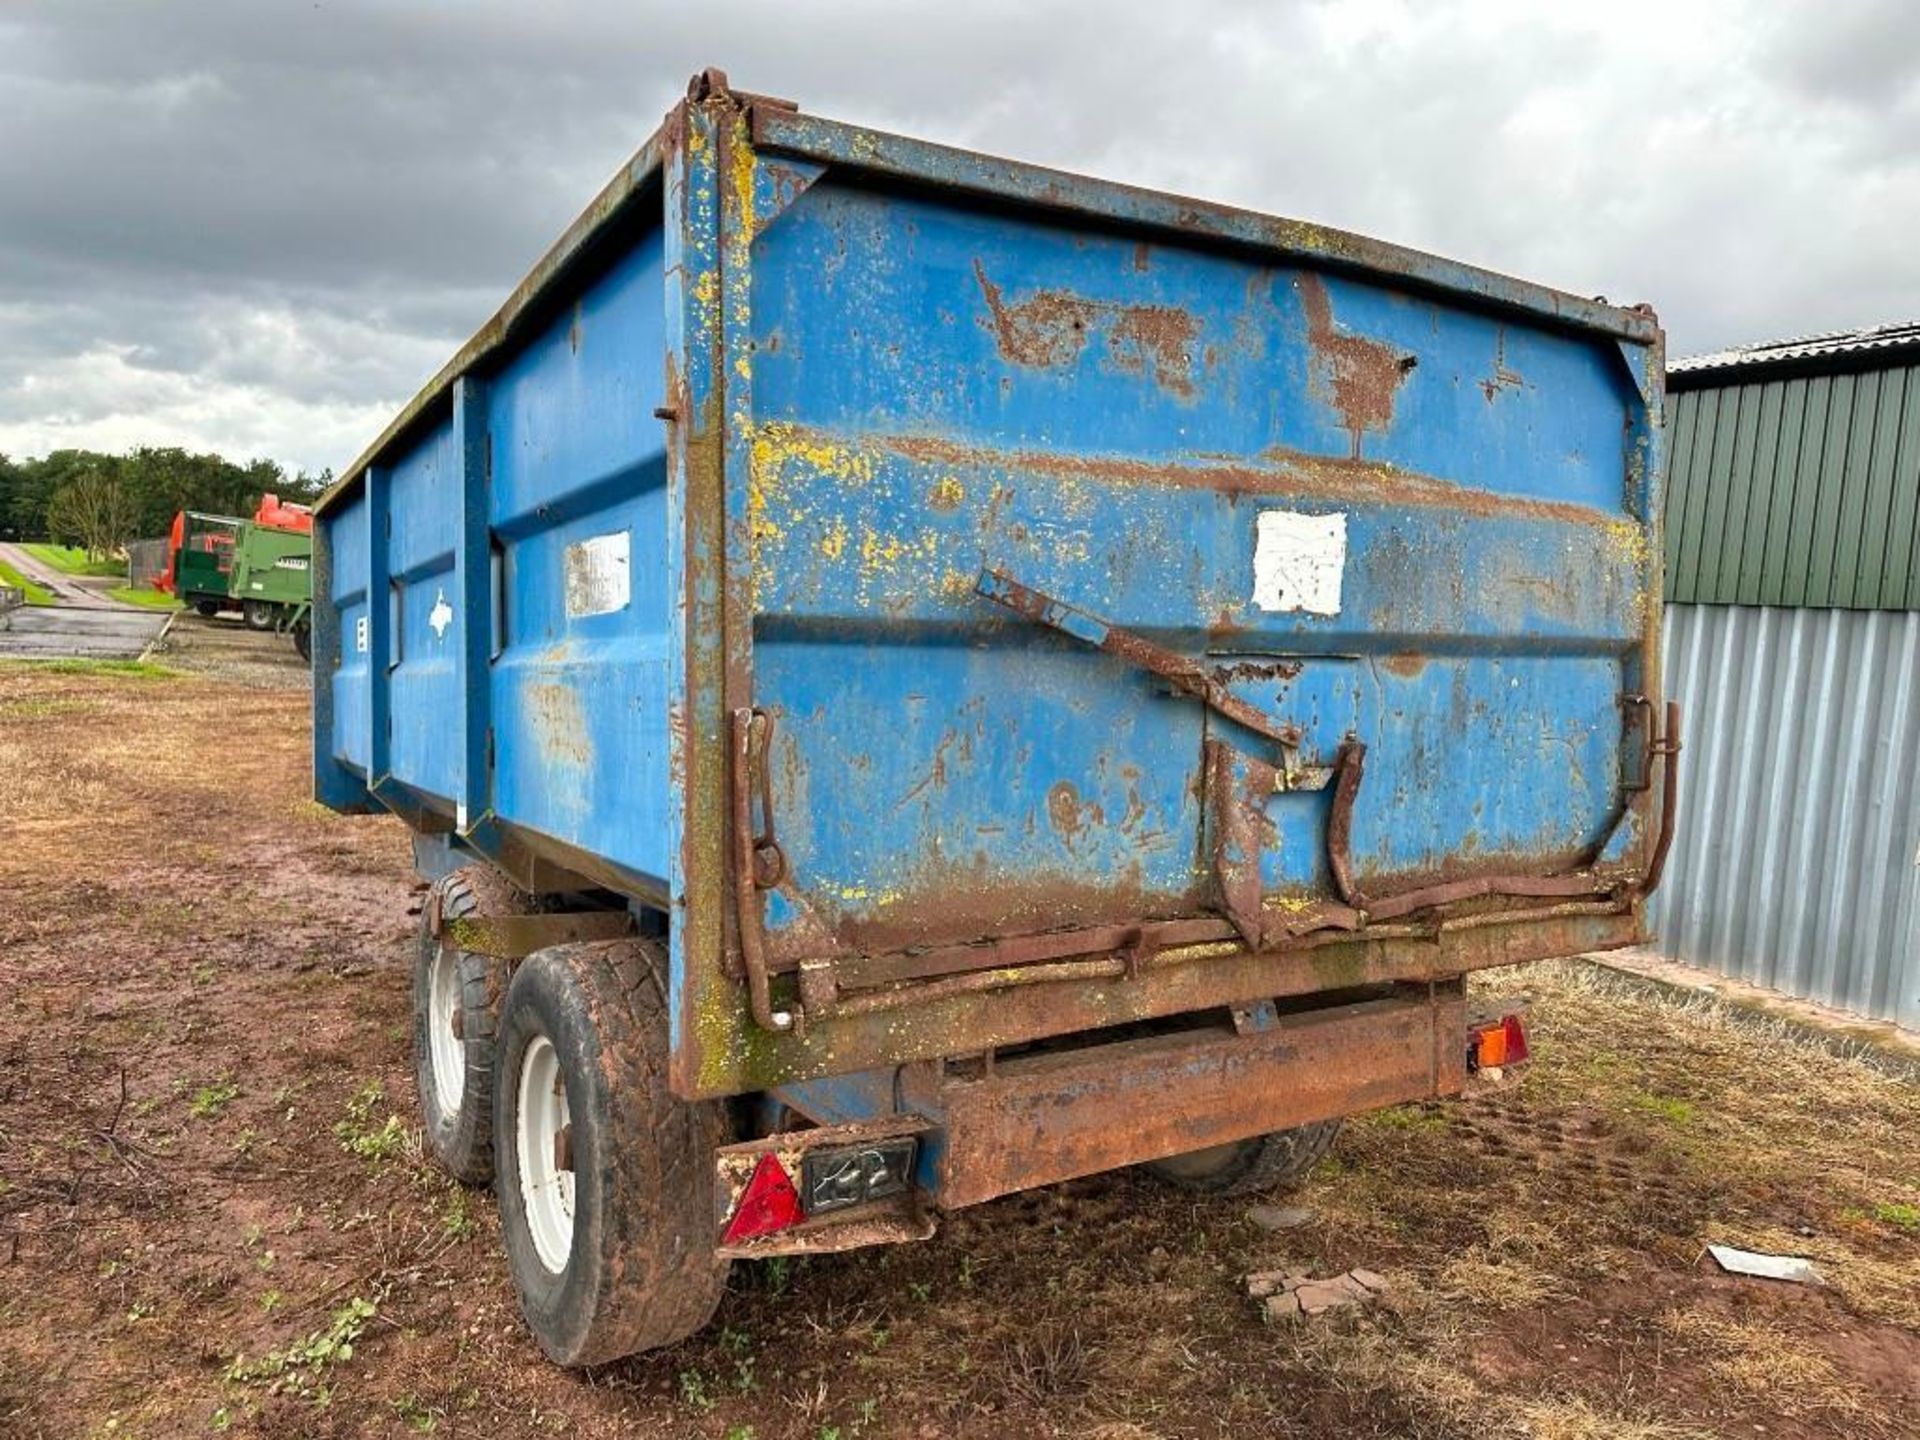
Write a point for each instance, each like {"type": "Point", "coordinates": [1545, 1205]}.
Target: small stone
{"type": "Point", "coordinates": [1286, 1294]}
{"type": "Point", "coordinates": [1263, 1283]}
{"type": "Point", "coordinates": [1283, 1307]}
{"type": "Point", "coordinates": [1318, 1295]}
{"type": "Point", "coordinates": [1279, 1217]}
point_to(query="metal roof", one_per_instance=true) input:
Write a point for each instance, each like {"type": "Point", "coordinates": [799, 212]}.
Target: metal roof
{"type": "Point", "coordinates": [1833, 349]}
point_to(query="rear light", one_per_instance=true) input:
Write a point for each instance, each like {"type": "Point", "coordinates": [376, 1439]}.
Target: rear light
{"type": "Point", "coordinates": [1504, 1042]}
{"type": "Point", "coordinates": [769, 1203]}
{"type": "Point", "coordinates": [831, 1177]}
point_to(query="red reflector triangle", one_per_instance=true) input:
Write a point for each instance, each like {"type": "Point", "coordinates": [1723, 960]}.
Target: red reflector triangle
{"type": "Point", "coordinates": [769, 1203]}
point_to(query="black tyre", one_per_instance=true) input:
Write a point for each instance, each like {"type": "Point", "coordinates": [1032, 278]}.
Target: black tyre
{"type": "Point", "coordinates": [604, 1178]}
{"type": "Point", "coordinates": [208, 608]}
{"type": "Point", "coordinates": [453, 1062]}
{"type": "Point", "coordinates": [1246, 1166]}
{"type": "Point", "coordinates": [260, 614]}
{"type": "Point", "coordinates": [303, 640]}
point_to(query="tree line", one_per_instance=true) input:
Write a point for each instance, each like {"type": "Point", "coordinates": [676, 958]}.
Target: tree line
{"type": "Point", "coordinates": [100, 502]}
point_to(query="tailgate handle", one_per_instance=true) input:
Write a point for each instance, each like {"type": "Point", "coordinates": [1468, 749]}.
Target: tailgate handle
{"type": "Point", "coordinates": [1188, 677]}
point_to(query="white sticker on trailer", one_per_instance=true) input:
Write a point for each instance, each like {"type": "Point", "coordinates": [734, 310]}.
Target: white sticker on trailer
{"type": "Point", "coordinates": [598, 579]}
{"type": "Point", "coordinates": [1299, 561]}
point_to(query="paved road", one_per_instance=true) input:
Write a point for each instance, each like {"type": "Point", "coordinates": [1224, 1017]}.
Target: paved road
{"type": "Point", "coordinates": [48, 632]}
{"type": "Point", "coordinates": [67, 589]}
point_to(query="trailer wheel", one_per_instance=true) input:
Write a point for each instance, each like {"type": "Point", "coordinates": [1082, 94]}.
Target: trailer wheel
{"type": "Point", "coordinates": [208, 608]}
{"type": "Point", "coordinates": [1245, 1166]}
{"type": "Point", "coordinates": [603, 1176]}
{"type": "Point", "coordinates": [259, 614]}
{"type": "Point", "coordinates": [453, 1058]}
{"type": "Point", "coordinates": [303, 640]}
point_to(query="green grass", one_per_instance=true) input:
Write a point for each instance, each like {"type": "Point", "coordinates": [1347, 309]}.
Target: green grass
{"type": "Point", "coordinates": [71, 560]}
{"type": "Point", "coordinates": [136, 669]}
{"type": "Point", "coordinates": [1900, 1216]}
{"type": "Point", "coordinates": [209, 1100]}
{"type": "Point", "coordinates": [1663, 1107]}
{"type": "Point", "coordinates": [142, 596]}
{"type": "Point", "coordinates": [36, 594]}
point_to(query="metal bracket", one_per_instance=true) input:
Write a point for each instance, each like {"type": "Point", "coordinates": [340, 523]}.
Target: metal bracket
{"type": "Point", "coordinates": [1666, 748]}
{"type": "Point", "coordinates": [514, 937]}
{"type": "Point", "coordinates": [758, 862]}
{"type": "Point", "coordinates": [1187, 677]}
{"type": "Point", "coordinates": [1237, 787]}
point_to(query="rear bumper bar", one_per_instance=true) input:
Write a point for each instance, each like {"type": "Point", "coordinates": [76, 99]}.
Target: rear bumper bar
{"type": "Point", "coordinates": [1044, 1118]}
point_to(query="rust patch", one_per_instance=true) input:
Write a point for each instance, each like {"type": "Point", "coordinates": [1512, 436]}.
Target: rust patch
{"type": "Point", "coordinates": [1285, 472]}
{"type": "Point", "coordinates": [1258, 670]}
{"type": "Point", "coordinates": [788, 183]}
{"type": "Point", "coordinates": [1357, 376]}
{"type": "Point", "coordinates": [1050, 329]}
{"type": "Point", "coordinates": [1405, 665]}
{"type": "Point", "coordinates": [953, 900]}
{"type": "Point", "coordinates": [1156, 338]}
{"type": "Point", "coordinates": [1047, 330]}
{"type": "Point", "coordinates": [1067, 814]}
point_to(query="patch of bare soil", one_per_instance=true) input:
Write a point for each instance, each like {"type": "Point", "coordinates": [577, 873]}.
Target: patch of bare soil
{"type": "Point", "coordinates": [215, 1216]}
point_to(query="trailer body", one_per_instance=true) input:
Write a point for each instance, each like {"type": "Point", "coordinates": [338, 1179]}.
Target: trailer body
{"type": "Point", "coordinates": [990, 618]}
{"type": "Point", "coordinates": [272, 567]}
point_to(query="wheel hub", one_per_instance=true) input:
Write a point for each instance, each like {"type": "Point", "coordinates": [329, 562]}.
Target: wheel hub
{"type": "Point", "coordinates": [448, 1053]}
{"type": "Point", "coordinates": [543, 1146]}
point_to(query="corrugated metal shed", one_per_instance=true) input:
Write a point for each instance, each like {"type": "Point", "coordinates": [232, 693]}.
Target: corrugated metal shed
{"type": "Point", "coordinates": [1796, 860]}
{"type": "Point", "coordinates": [1793, 645]}
{"type": "Point", "coordinates": [1795, 474]}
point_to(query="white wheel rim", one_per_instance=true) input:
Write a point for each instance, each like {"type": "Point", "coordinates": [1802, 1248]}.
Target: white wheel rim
{"type": "Point", "coordinates": [448, 1052]}
{"type": "Point", "coordinates": [546, 1191]}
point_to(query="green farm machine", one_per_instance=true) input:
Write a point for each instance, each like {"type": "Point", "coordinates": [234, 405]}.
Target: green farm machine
{"type": "Point", "coordinates": [261, 566]}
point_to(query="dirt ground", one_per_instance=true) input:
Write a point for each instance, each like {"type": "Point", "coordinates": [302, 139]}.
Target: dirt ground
{"type": "Point", "coordinates": [214, 1215]}
{"type": "Point", "coordinates": [225, 649]}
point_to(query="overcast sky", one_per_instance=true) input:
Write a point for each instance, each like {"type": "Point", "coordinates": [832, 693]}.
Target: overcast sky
{"type": "Point", "coordinates": [257, 226]}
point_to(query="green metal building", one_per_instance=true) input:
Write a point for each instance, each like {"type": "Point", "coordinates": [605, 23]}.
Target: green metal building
{"type": "Point", "coordinates": [1793, 642]}
{"type": "Point", "coordinates": [1795, 473]}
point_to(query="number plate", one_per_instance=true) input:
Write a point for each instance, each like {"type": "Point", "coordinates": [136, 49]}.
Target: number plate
{"type": "Point", "coordinates": [841, 1178]}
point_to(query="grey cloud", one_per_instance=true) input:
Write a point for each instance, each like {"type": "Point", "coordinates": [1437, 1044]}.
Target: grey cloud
{"type": "Point", "coordinates": [1856, 52]}
{"type": "Point", "coordinates": [262, 225]}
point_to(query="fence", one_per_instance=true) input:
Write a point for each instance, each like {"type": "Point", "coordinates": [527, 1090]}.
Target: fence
{"type": "Point", "coordinates": [145, 560]}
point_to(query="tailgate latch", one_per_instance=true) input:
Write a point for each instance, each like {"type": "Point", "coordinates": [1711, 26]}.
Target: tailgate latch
{"type": "Point", "coordinates": [758, 861]}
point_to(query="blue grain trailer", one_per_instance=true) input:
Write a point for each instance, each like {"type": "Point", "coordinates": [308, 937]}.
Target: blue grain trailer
{"type": "Point", "coordinates": [915, 677]}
